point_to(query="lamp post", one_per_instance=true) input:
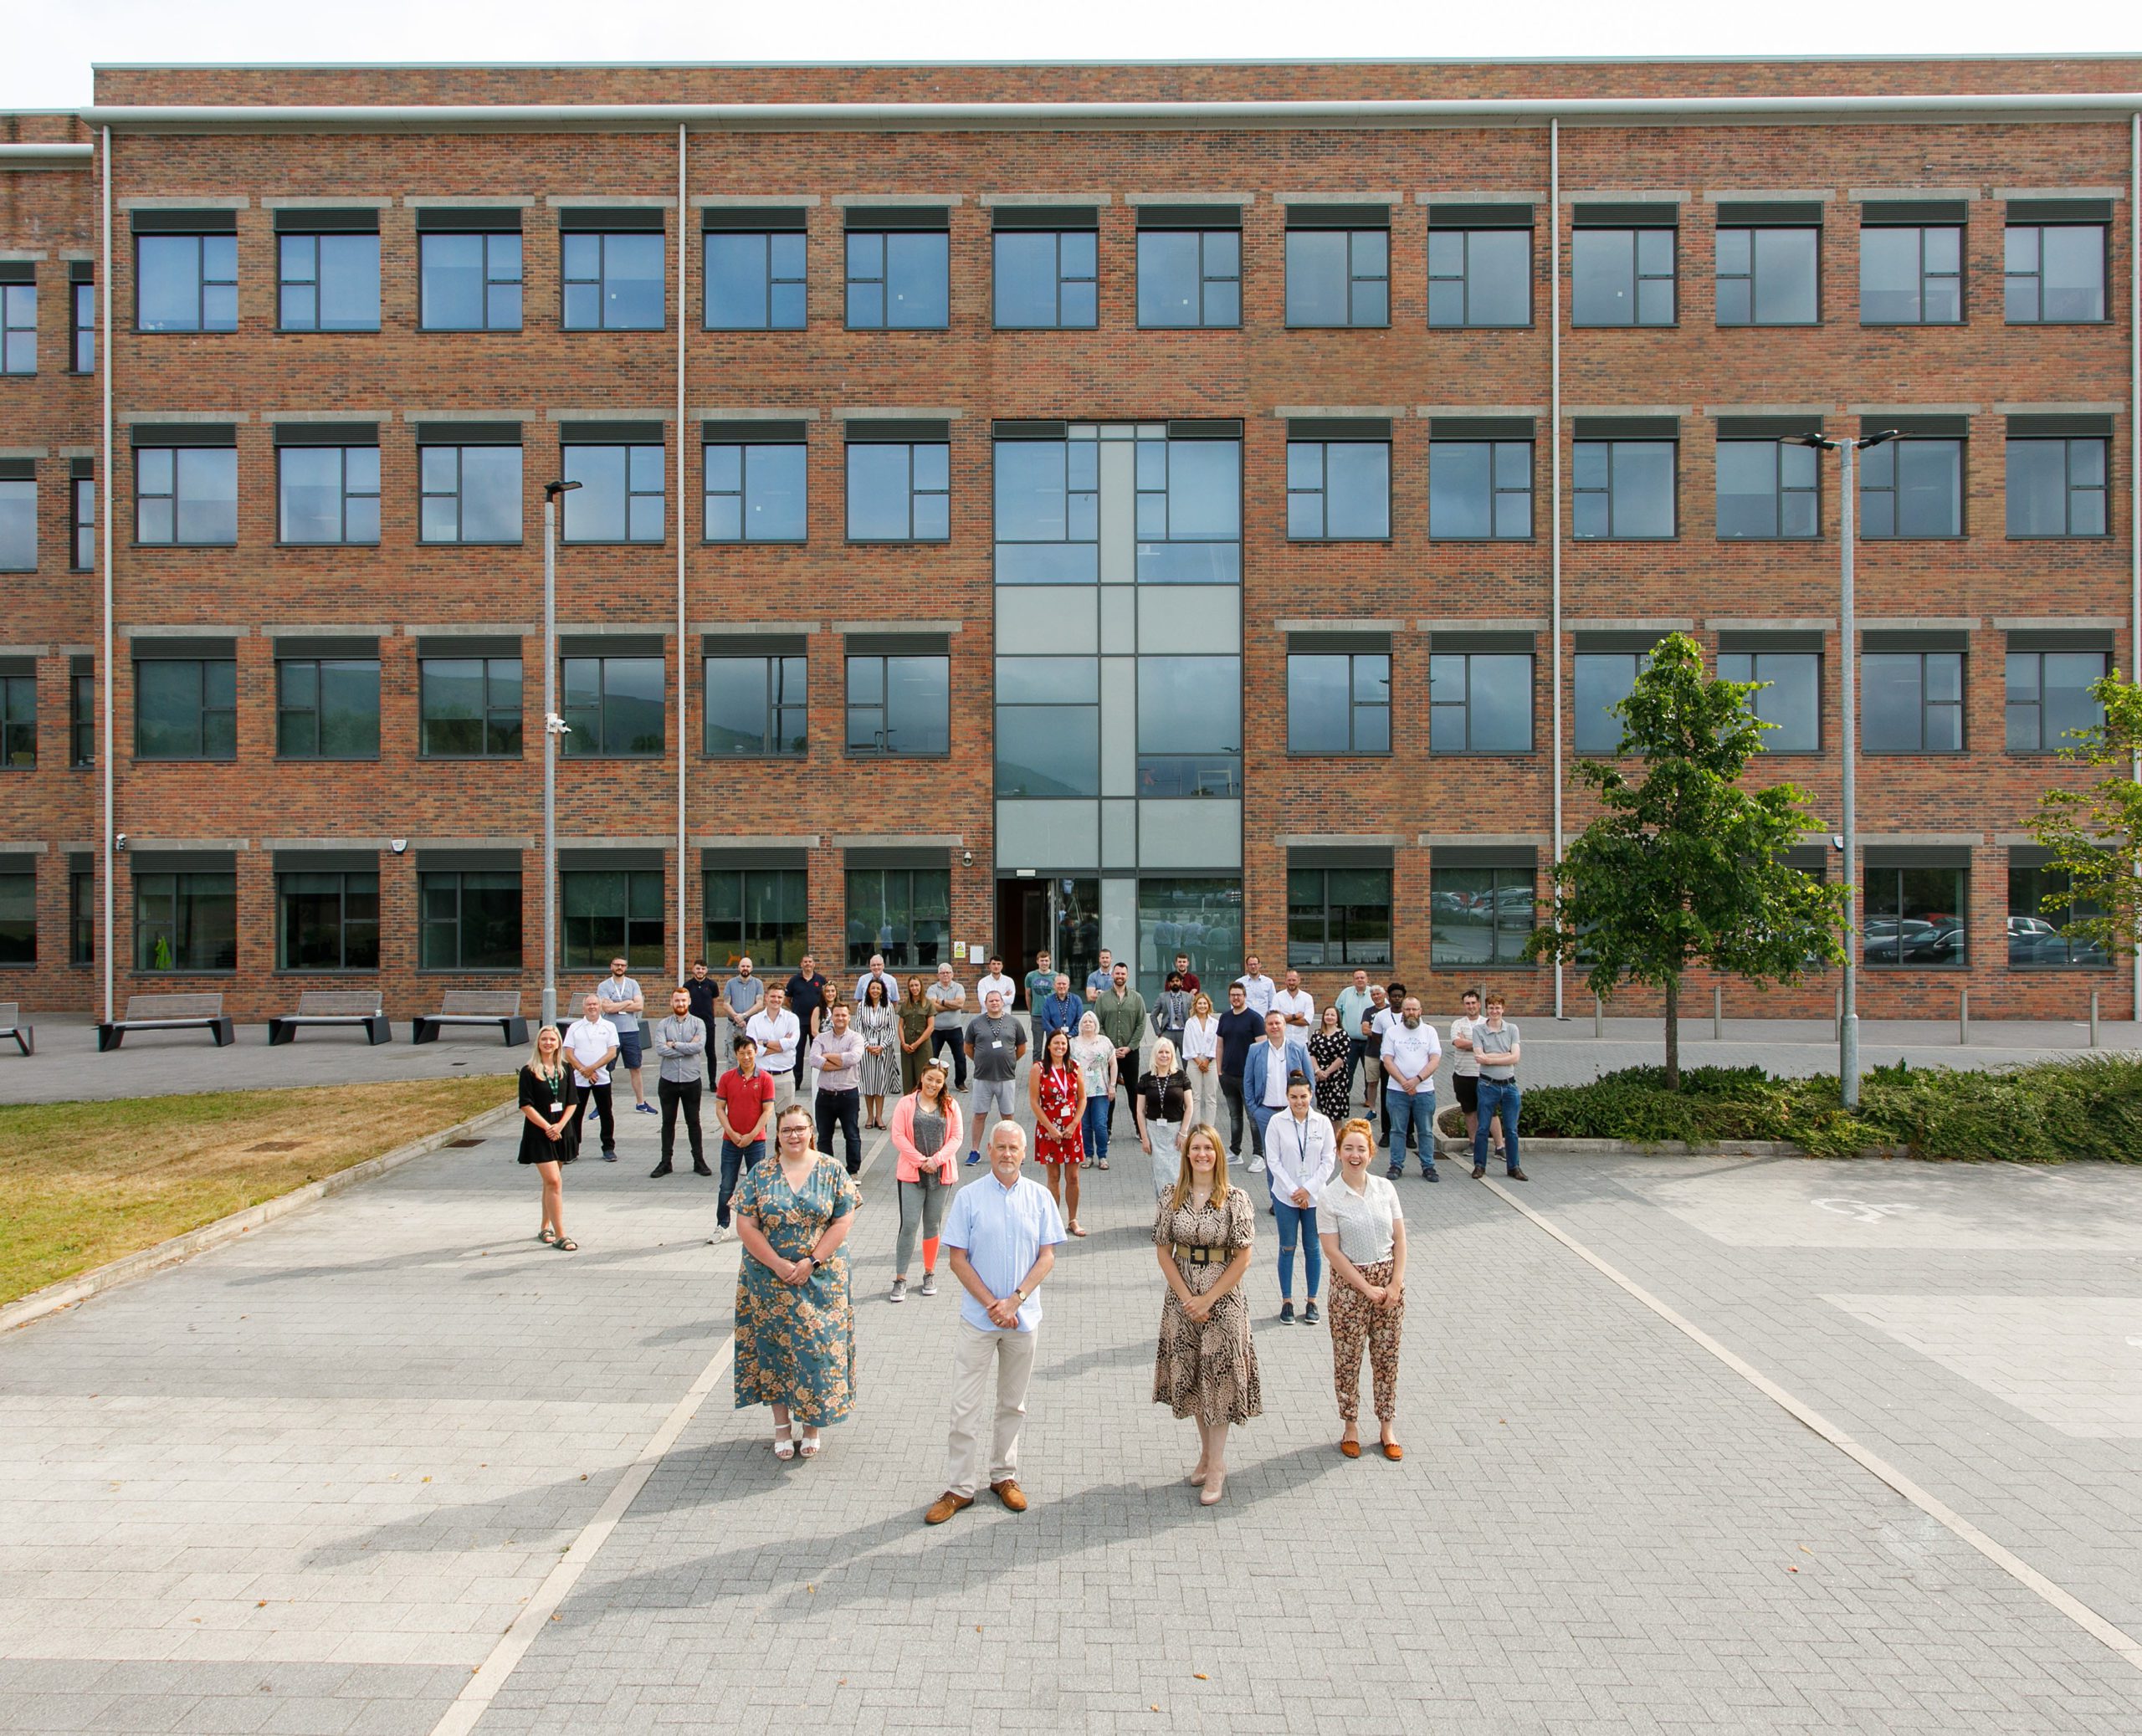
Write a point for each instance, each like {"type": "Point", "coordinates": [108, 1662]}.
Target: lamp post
{"type": "Point", "coordinates": [554, 726]}
{"type": "Point", "coordinates": [1848, 1020]}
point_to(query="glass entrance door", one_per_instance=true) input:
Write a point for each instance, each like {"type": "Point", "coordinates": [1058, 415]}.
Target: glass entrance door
{"type": "Point", "coordinates": [1059, 912]}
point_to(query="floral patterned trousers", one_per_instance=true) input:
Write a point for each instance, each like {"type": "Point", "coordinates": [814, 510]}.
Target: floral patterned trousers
{"type": "Point", "coordinates": [1357, 1323]}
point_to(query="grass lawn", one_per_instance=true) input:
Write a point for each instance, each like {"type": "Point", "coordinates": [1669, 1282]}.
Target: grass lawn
{"type": "Point", "coordinates": [88, 1182]}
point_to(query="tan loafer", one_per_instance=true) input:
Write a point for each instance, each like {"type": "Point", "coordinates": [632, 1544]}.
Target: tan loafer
{"type": "Point", "coordinates": [945, 1506]}
{"type": "Point", "coordinates": [1010, 1494]}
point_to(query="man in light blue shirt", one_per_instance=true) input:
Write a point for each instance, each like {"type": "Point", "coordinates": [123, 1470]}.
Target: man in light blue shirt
{"type": "Point", "coordinates": [1003, 1232]}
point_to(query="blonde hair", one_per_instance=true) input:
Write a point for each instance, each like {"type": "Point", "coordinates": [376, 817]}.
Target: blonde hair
{"type": "Point", "coordinates": [1159, 1043]}
{"type": "Point", "coordinates": [1200, 999]}
{"type": "Point", "coordinates": [1179, 1195]}
{"type": "Point", "coordinates": [535, 1061]}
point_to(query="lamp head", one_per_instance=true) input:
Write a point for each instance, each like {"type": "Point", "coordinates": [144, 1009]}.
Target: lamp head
{"type": "Point", "coordinates": [551, 490]}
{"type": "Point", "coordinates": [1867, 440]}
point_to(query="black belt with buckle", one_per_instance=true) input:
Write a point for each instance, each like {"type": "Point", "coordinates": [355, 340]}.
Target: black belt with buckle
{"type": "Point", "coordinates": [1204, 1256]}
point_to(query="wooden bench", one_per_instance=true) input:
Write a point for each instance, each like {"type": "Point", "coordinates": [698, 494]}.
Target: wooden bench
{"type": "Point", "coordinates": [11, 1025]}
{"type": "Point", "coordinates": [475, 1007]}
{"type": "Point", "coordinates": [333, 1007]}
{"type": "Point", "coordinates": [167, 1012]}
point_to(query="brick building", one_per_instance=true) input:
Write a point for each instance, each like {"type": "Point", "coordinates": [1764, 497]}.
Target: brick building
{"type": "Point", "coordinates": [1198, 508]}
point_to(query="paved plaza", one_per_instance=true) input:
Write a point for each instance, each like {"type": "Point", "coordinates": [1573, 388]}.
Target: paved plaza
{"type": "Point", "coordinates": [308, 1481]}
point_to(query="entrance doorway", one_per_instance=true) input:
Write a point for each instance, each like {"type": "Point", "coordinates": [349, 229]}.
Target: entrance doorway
{"type": "Point", "coordinates": [1060, 914]}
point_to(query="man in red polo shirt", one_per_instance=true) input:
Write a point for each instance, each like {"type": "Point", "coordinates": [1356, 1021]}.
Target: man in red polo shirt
{"type": "Point", "coordinates": [743, 1105]}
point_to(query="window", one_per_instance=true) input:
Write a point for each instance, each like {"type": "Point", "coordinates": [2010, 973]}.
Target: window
{"type": "Point", "coordinates": [81, 917]}
{"type": "Point", "coordinates": [1189, 508]}
{"type": "Point", "coordinates": [1915, 915]}
{"type": "Point", "coordinates": [1047, 511]}
{"type": "Point", "coordinates": [1913, 702]}
{"type": "Point", "coordinates": [612, 708]}
{"type": "Point", "coordinates": [1339, 702]}
{"type": "Point", "coordinates": [328, 283]}
{"type": "Point", "coordinates": [328, 494]}
{"type": "Point", "coordinates": [754, 277]}
{"type": "Point", "coordinates": [1339, 490]}
{"type": "Point", "coordinates": [1190, 726]}
{"type": "Point", "coordinates": [756, 706]}
{"type": "Point", "coordinates": [761, 913]}
{"type": "Point", "coordinates": [186, 709]}
{"type": "Point", "coordinates": [606, 914]}
{"type": "Point", "coordinates": [327, 708]}
{"type": "Point", "coordinates": [81, 498]}
{"type": "Point", "coordinates": [1478, 913]}
{"type": "Point", "coordinates": [1338, 917]}
{"type": "Point", "coordinates": [185, 283]}
{"type": "Point", "coordinates": [1480, 702]}
{"type": "Point", "coordinates": [2035, 939]}
{"type": "Point", "coordinates": [620, 497]}
{"type": "Point", "coordinates": [17, 918]}
{"type": "Point", "coordinates": [82, 713]}
{"type": "Point", "coordinates": [471, 493]}
{"type": "Point", "coordinates": [1479, 277]}
{"type": "Point", "coordinates": [1621, 276]}
{"type": "Point", "coordinates": [2054, 274]}
{"type": "Point", "coordinates": [613, 280]}
{"type": "Point", "coordinates": [905, 914]}
{"type": "Point", "coordinates": [18, 516]}
{"type": "Point", "coordinates": [1768, 276]}
{"type": "Point", "coordinates": [1339, 276]}
{"type": "Point", "coordinates": [1603, 679]}
{"type": "Point", "coordinates": [469, 708]}
{"type": "Point", "coordinates": [470, 919]}
{"type": "Point", "coordinates": [899, 705]}
{"type": "Point", "coordinates": [1911, 274]}
{"type": "Point", "coordinates": [1767, 490]}
{"type": "Point", "coordinates": [468, 282]}
{"type": "Point", "coordinates": [899, 491]}
{"type": "Point", "coordinates": [1793, 699]}
{"type": "Point", "coordinates": [185, 921]}
{"type": "Point", "coordinates": [18, 721]}
{"type": "Point", "coordinates": [2057, 488]}
{"type": "Point", "coordinates": [1912, 489]}
{"type": "Point", "coordinates": [899, 279]}
{"type": "Point", "coordinates": [17, 326]}
{"type": "Point", "coordinates": [83, 294]}
{"type": "Point", "coordinates": [1048, 733]}
{"type": "Point", "coordinates": [757, 491]}
{"type": "Point", "coordinates": [1190, 279]}
{"type": "Point", "coordinates": [1479, 489]}
{"type": "Point", "coordinates": [326, 921]}
{"type": "Point", "coordinates": [186, 495]}
{"type": "Point", "coordinates": [1045, 278]}
{"type": "Point", "coordinates": [1624, 489]}
{"type": "Point", "coordinates": [2049, 699]}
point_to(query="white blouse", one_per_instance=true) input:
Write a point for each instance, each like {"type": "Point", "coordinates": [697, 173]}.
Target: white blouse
{"type": "Point", "coordinates": [1362, 1221]}
{"type": "Point", "coordinates": [1200, 1036]}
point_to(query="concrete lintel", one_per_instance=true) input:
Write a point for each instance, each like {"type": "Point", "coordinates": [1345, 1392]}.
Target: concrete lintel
{"type": "Point", "coordinates": [1484, 196]}
{"type": "Point", "coordinates": [1944, 840]}
{"type": "Point", "coordinates": [899, 626]}
{"type": "Point", "coordinates": [888, 413]}
{"type": "Point", "coordinates": [1076, 200]}
{"type": "Point", "coordinates": [1920, 623]}
{"type": "Point", "coordinates": [1717, 195]}
{"type": "Point", "coordinates": [754, 201]}
{"type": "Point", "coordinates": [497, 841]}
{"type": "Point", "coordinates": [211, 418]}
{"type": "Point", "coordinates": [642, 202]}
{"type": "Point", "coordinates": [468, 202]}
{"type": "Point", "coordinates": [1514, 840]}
{"type": "Point", "coordinates": [1628, 624]}
{"type": "Point", "coordinates": [841, 201]}
{"type": "Point", "coordinates": [335, 202]}
{"type": "Point", "coordinates": [1860, 195]}
{"type": "Point", "coordinates": [757, 413]}
{"type": "Point", "coordinates": [1339, 624]}
{"type": "Point", "coordinates": [612, 413]}
{"type": "Point", "coordinates": [2054, 623]}
{"type": "Point", "coordinates": [1626, 196]}
{"type": "Point", "coordinates": [1191, 197]}
{"type": "Point", "coordinates": [1349, 196]}
{"type": "Point", "coordinates": [186, 202]}
{"type": "Point", "coordinates": [1393, 411]}
{"type": "Point", "coordinates": [898, 840]}
{"type": "Point", "coordinates": [1328, 840]}
{"type": "Point", "coordinates": [182, 630]}
{"type": "Point", "coordinates": [472, 629]}
{"type": "Point", "coordinates": [760, 840]}
{"type": "Point", "coordinates": [756, 629]}
{"type": "Point", "coordinates": [1483, 623]}
{"type": "Point", "coordinates": [1771, 623]}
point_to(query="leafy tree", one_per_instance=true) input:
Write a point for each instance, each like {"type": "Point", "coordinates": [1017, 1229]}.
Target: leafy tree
{"type": "Point", "coordinates": [1684, 867]}
{"type": "Point", "coordinates": [2095, 835]}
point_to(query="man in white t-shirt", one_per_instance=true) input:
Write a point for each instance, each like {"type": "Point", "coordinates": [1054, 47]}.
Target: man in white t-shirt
{"type": "Point", "coordinates": [1412, 1053]}
{"type": "Point", "coordinates": [591, 1044]}
{"type": "Point", "coordinates": [1297, 1006]}
{"type": "Point", "coordinates": [779, 1035]}
{"type": "Point", "coordinates": [1465, 1068]}
{"type": "Point", "coordinates": [993, 981]}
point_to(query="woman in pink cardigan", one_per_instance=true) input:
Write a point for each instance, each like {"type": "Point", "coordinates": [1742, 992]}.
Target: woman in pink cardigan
{"type": "Point", "coordinates": [926, 1135]}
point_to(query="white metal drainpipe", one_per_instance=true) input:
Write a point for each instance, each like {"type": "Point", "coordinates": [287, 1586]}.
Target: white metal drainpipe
{"type": "Point", "coordinates": [682, 243]}
{"type": "Point", "coordinates": [103, 661]}
{"type": "Point", "coordinates": [2134, 457]}
{"type": "Point", "coordinates": [1555, 448]}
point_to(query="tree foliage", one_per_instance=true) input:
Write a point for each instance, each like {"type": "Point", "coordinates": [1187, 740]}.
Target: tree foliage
{"type": "Point", "coordinates": [2095, 835]}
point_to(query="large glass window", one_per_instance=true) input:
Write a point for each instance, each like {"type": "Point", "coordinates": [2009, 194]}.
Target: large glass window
{"type": "Point", "coordinates": [898, 280]}
{"type": "Point", "coordinates": [612, 281]}
{"type": "Point", "coordinates": [83, 299]}
{"type": "Point", "coordinates": [469, 708]}
{"type": "Point", "coordinates": [1767, 490]}
{"type": "Point", "coordinates": [1480, 915]}
{"type": "Point", "coordinates": [1911, 274]}
{"type": "Point", "coordinates": [606, 914]}
{"type": "Point", "coordinates": [1199, 915]}
{"type": "Point", "coordinates": [1479, 489]}
{"type": "Point", "coordinates": [2057, 488]}
{"type": "Point", "coordinates": [82, 713]}
{"type": "Point", "coordinates": [1189, 278]}
{"type": "Point", "coordinates": [470, 920]}
{"type": "Point", "coordinates": [185, 283]}
{"type": "Point", "coordinates": [759, 914]}
{"type": "Point", "coordinates": [755, 281]}
{"type": "Point", "coordinates": [18, 523]}
{"type": "Point", "coordinates": [1912, 487]}
{"type": "Point", "coordinates": [756, 493]}
{"type": "Point", "coordinates": [2049, 696]}
{"type": "Point", "coordinates": [81, 917]}
{"type": "Point", "coordinates": [470, 282]}
{"type": "Point", "coordinates": [1048, 736]}
{"type": "Point", "coordinates": [1624, 489]}
{"type": "Point", "coordinates": [186, 709]}
{"type": "Point", "coordinates": [1338, 916]}
{"type": "Point", "coordinates": [899, 705]}
{"type": "Point", "coordinates": [620, 496]}
{"type": "Point", "coordinates": [1339, 702]}
{"type": "Point", "coordinates": [470, 493]}
{"type": "Point", "coordinates": [1916, 915]}
{"type": "Point", "coordinates": [328, 494]}
{"type": "Point", "coordinates": [1339, 277]}
{"type": "Point", "coordinates": [1190, 726]}
{"type": "Point", "coordinates": [2054, 274]}
{"type": "Point", "coordinates": [18, 722]}
{"type": "Point", "coordinates": [1911, 702]}
{"type": "Point", "coordinates": [756, 706]}
{"type": "Point", "coordinates": [1189, 510]}
{"type": "Point", "coordinates": [1480, 702]}
{"type": "Point", "coordinates": [1339, 490]}
{"type": "Point", "coordinates": [1622, 277]}
{"type": "Point", "coordinates": [1792, 700]}
{"type": "Point", "coordinates": [1768, 277]}
{"type": "Point", "coordinates": [613, 707]}
{"type": "Point", "coordinates": [904, 913]}
{"type": "Point", "coordinates": [17, 918]}
{"type": "Point", "coordinates": [326, 921]}
{"type": "Point", "coordinates": [1048, 512]}
{"type": "Point", "coordinates": [327, 282]}
{"type": "Point", "coordinates": [17, 328]}
{"type": "Point", "coordinates": [1603, 679]}
{"type": "Point", "coordinates": [899, 491]}
{"type": "Point", "coordinates": [327, 708]}
{"type": "Point", "coordinates": [82, 512]}
{"type": "Point", "coordinates": [185, 921]}
{"type": "Point", "coordinates": [1479, 277]}
{"type": "Point", "coordinates": [2035, 939]}
{"type": "Point", "coordinates": [186, 494]}
{"type": "Point", "coordinates": [1046, 279]}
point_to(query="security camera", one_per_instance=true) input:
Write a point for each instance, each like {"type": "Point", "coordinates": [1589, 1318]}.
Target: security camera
{"type": "Point", "coordinates": [397, 845]}
{"type": "Point", "coordinates": [556, 725]}
{"type": "Point", "coordinates": [1836, 841]}
{"type": "Point", "coordinates": [966, 859]}
{"type": "Point", "coordinates": [118, 841]}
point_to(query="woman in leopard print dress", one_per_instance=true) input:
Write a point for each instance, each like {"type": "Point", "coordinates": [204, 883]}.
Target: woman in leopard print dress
{"type": "Point", "coordinates": [1206, 1367]}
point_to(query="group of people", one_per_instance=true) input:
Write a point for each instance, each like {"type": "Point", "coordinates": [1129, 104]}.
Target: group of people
{"type": "Point", "coordinates": [1281, 1068]}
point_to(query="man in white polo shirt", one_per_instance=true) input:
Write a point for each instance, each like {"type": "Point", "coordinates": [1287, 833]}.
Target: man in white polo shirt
{"type": "Point", "coordinates": [591, 1044]}
{"type": "Point", "coordinates": [1412, 1053]}
{"type": "Point", "coordinates": [779, 1035]}
{"type": "Point", "coordinates": [1297, 1006]}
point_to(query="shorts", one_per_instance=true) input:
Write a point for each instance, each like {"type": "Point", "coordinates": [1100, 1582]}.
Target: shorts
{"type": "Point", "coordinates": [1468, 1091]}
{"type": "Point", "coordinates": [628, 1048]}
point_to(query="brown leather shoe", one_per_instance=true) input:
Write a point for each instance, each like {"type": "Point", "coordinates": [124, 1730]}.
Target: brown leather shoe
{"type": "Point", "coordinates": [1352, 1449]}
{"type": "Point", "coordinates": [945, 1506]}
{"type": "Point", "coordinates": [1010, 1494]}
{"type": "Point", "coordinates": [1393, 1452]}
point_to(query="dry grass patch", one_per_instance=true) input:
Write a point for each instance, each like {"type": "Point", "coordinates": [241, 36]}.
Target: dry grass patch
{"type": "Point", "coordinates": [88, 1182]}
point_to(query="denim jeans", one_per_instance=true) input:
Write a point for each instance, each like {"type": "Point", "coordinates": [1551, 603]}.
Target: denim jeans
{"type": "Point", "coordinates": [1411, 1113]}
{"type": "Point", "coordinates": [1231, 1089]}
{"type": "Point", "coordinates": [1497, 1098]}
{"type": "Point", "coordinates": [1297, 1223]}
{"type": "Point", "coordinates": [1095, 1125]}
{"type": "Point", "coordinates": [735, 1161]}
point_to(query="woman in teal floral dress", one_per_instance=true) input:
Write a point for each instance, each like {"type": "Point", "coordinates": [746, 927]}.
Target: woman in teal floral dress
{"type": "Point", "coordinates": [794, 1328]}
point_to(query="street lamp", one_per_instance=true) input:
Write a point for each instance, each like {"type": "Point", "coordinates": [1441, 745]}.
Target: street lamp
{"type": "Point", "coordinates": [1848, 842]}
{"type": "Point", "coordinates": [554, 726]}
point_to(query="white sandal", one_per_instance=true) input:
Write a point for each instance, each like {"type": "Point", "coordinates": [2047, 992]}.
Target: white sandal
{"type": "Point", "coordinates": [809, 1448]}
{"type": "Point", "coordinates": [784, 1448]}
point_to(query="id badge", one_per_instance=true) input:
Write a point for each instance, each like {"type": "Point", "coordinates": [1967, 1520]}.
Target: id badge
{"type": "Point", "coordinates": [557, 1109]}
{"type": "Point", "coordinates": [996, 1042]}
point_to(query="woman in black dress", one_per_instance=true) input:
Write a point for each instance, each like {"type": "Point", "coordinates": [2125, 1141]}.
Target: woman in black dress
{"type": "Point", "coordinates": [549, 1133]}
{"type": "Point", "coordinates": [1327, 1053]}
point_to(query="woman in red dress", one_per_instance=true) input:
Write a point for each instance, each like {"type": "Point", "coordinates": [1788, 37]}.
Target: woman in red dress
{"type": "Point", "coordinates": [1059, 1097]}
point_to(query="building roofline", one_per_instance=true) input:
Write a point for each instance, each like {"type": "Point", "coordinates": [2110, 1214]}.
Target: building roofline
{"type": "Point", "coordinates": [1276, 60]}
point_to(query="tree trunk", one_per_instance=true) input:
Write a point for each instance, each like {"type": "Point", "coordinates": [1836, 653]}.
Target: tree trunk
{"type": "Point", "coordinates": [1673, 1034]}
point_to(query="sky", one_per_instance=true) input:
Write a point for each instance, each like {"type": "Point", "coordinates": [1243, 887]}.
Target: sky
{"type": "Point", "coordinates": [51, 46]}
